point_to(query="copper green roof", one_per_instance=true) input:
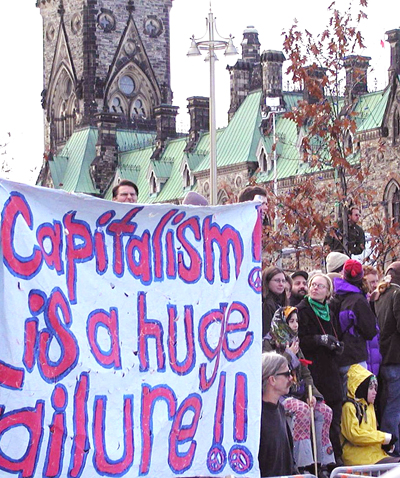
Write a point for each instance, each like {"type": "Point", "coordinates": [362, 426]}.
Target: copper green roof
{"type": "Point", "coordinates": [237, 143]}
{"type": "Point", "coordinates": [80, 152]}
{"type": "Point", "coordinates": [71, 169]}
{"type": "Point", "coordinates": [370, 110]}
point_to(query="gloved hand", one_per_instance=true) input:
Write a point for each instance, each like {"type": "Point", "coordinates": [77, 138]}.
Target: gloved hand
{"type": "Point", "coordinates": [339, 348]}
{"type": "Point", "coordinates": [328, 341]}
{"type": "Point", "coordinates": [390, 445]}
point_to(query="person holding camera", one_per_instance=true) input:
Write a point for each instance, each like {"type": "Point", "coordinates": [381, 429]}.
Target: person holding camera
{"type": "Point", "coordinates": [320, 344]}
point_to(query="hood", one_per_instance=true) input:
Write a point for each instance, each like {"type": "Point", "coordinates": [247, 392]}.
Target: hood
{"type": "Point", "coordinates": [342, 287]}
{"type": "Point", "coordinates": [394, 271]}
{"type": "Point", "coordinates": [280, 331]}
{"type": "Point", "coordinates": [355, 376]}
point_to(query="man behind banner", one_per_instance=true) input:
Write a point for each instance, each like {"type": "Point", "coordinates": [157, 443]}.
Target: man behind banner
{"type": "Point", "coordinates": [125, 191]}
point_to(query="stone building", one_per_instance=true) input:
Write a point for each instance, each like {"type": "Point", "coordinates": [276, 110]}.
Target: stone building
{"type": "Point", "coordinates": [107, 100]}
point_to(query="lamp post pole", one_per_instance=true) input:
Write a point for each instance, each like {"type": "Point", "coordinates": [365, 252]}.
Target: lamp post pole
{"type": "Point", "coordinates": [213, 126]}
{"type": "Point", "coordinates": [211, 45]}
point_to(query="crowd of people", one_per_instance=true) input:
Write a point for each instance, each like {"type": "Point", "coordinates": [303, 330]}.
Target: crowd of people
{"type": "Point", "coordinates": [329, 339]}
{"type": "Point", "coordinates": [338, 334]}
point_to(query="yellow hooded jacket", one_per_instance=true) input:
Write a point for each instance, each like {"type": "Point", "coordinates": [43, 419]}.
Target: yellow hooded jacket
{"type": "Point", "coordinates": [361, 442]}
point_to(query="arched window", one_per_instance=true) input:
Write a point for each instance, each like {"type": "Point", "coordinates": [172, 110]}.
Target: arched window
{"type": "Point", "coordinates": [262, 160]}
{"type": "Point", "coordinates": [396, 125]}
{"type": "Point", "coordinates": [186, 177]}
{"type": "Point", "coordinates": [348, 141]}
{"type": "Point", "coordinates": [153, 183]}
{"type": "Point", "coordinates": [392, 201]}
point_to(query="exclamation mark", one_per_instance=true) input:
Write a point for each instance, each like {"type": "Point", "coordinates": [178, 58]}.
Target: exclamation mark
{"type": "Point", "coordinates": [216, 458]}
{"type": "Point", "coordinates": [240, 459]}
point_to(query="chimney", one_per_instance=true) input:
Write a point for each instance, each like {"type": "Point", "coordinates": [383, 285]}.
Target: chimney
{"type": "Point", "coordinates": [271, 62]}
{"type": "Point", "coordinates": [313, 88]}
{"type": "Point", "coordinates": [245, 74]}
{"type": "Point", "coordinates": [199, 111]}
{"type": "Point", "coordinates": [251, 45]}
{"type": "Point", "coordinates": [103, 166]}
{"type": "Point", "coordinates": [393, 37]}
{"type": "Point", "coordinates": [166, 126]}
{"type": "Point", "coordinates": [356, 75]}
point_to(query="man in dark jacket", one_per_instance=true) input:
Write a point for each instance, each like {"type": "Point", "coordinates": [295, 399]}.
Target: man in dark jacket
{"type": "Point", "coordinates": [276, 446]}
{"type": "Point", "coordinates": [356, 240]}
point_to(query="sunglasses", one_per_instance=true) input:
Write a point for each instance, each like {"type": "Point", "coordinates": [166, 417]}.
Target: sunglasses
{"type": "Point", "coordinates": [285, 374]}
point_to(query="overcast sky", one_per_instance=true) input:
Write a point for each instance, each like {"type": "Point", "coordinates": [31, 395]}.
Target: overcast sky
{"type": "Point", "coordinates": [21, 60]}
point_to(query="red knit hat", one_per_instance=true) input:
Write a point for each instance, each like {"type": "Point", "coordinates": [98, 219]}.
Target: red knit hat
{"type": "Point", "coordinates": [353, 271]}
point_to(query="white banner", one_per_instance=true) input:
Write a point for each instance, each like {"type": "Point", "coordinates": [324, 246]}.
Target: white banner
{"type": "Point", "coordinates": [130, 337]}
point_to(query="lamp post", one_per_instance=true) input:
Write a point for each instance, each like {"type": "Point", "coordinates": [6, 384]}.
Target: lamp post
{"type": "Point", "coordinates": [211, 44]}
{"type": "Point", "coordinates": [274, 104]}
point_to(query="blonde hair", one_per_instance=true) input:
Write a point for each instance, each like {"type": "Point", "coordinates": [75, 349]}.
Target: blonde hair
{"type": "Point", "coordinates": [328, 282]}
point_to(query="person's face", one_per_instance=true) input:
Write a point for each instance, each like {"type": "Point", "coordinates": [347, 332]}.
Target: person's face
{"type": "Point", "coordinates": [372, 281]}
{"type": "Point", "coordinates": [299, 288]}
{"type": "Point", "coordinates": [283, 380]}
{"type": "Point", "coordinates": [355, 216]}
{"type": "Point", "coordinates": [372, 392]}
{"type": "Point", "coordinates": [319, 289]}
{"type": "Point", "coordinates": [126, 194]}
{"type": "Point", "coordinates": [277, 283]}
{"type": "Point", "coordinates": [293, 322]}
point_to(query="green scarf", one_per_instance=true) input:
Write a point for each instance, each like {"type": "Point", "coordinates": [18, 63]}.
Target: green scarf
{"type": "Point", "coordinates": [320, 310]}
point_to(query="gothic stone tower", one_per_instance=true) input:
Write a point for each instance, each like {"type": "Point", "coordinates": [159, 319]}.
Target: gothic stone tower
{"type": "Point", "coordinates": [103, 58]}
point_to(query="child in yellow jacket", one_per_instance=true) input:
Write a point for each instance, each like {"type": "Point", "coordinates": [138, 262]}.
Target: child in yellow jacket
{"type": "Point", "coordinates": [362, 442]}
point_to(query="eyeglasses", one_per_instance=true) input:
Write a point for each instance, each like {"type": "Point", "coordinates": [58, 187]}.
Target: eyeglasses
{"type": "Point", "coordinates": [279, 281]}
{"type": "Point", "coordinates": [285, 374]}
{"type": "Point", "coordinates": [318, 286]}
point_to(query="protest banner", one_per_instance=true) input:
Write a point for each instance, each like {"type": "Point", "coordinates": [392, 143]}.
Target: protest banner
{"type": "Point", "coordinates": [130, 337]}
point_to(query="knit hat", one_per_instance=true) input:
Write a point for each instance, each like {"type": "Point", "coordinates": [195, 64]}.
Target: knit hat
{"type": "Point", "coordinates": [288, 311]}
{"type": "Point", "coordinates": [335, 261]}
{"type": "Point", "coordinates": [195, 199]}
{"type": "Point", "coordinates": [353, 271]}
{"type": "Point", "coordinates": [300, 273]}
{"type": "Point", "coordinates": [394, 271]}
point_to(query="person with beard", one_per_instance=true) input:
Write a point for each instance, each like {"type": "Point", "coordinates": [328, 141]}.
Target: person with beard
{"type": "Point", "coordinates": [299, 287]}
{"type": "Point", "coordinates": [386, 303]}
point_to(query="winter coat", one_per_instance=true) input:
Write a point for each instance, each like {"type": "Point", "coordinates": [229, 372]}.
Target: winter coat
{"type": "Point", "coordinates": [356, 319]}
{"type": "Point", "coordinates": [270, 304]}
{"type": "Point", "coordinates": [387, 309]}
{"type": "Point", "coordinates": [356, 243]}
{"type": "Point", "coordinates": [324, 368]}
{"type": "Point", "coordinates": [361, 440]}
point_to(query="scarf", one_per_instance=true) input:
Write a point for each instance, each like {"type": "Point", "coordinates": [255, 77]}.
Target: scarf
{"type": "Point", "coordinates": [320, 310]}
